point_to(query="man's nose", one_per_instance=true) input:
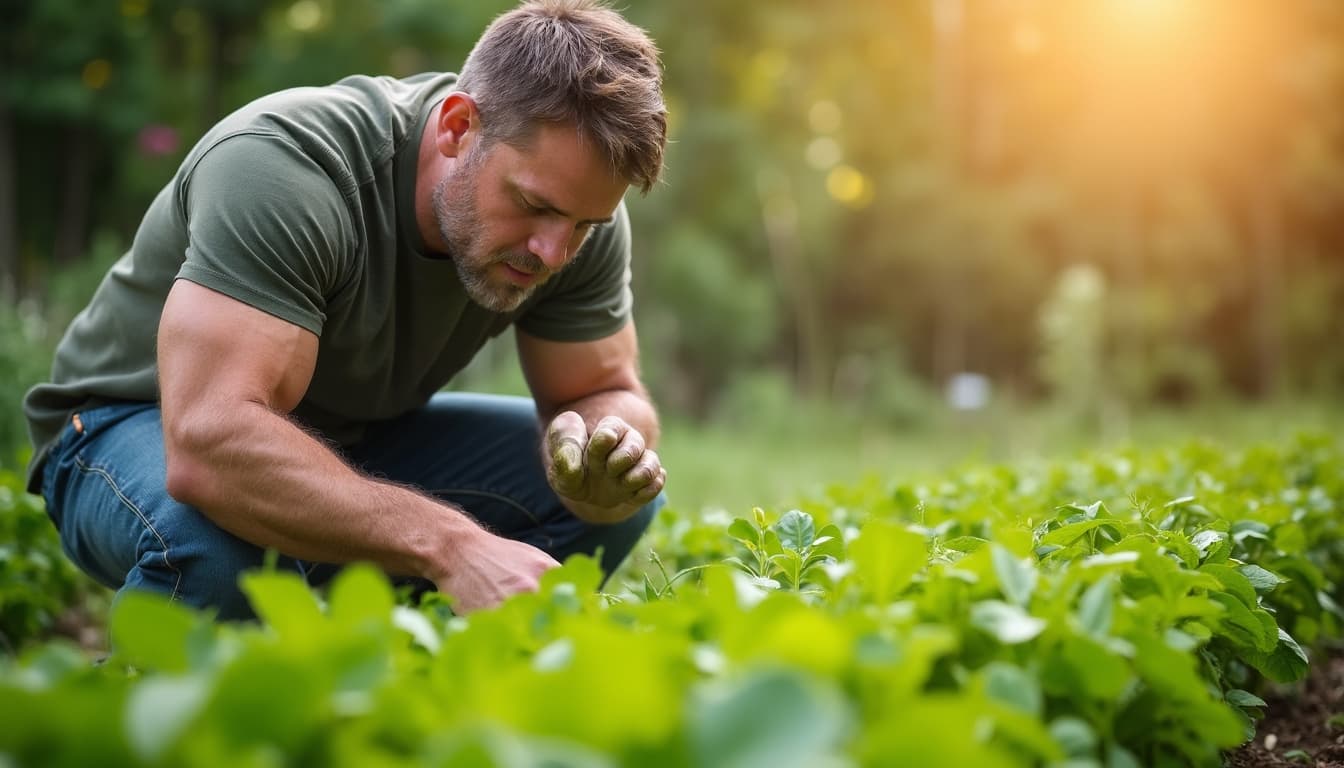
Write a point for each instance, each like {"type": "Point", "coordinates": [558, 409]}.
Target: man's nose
{"type": "Point", "coordinates": [551, 243]}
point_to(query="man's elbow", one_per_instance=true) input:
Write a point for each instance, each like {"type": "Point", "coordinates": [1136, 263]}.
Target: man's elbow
{"type": "Point", "coordinates": [192, 477]}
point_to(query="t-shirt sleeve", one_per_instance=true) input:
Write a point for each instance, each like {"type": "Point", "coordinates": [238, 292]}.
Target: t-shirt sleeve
{"type": "Point", "coordinates": [591, 299]}
{"type": "Point", "coordinates": [268, 227]}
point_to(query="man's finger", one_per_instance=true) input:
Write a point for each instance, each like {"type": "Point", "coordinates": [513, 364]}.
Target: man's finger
{"type": "Point", "coordinates": [646, 471]}
{"type": "Point", "coordinates": [565, 439]}
{"type": "Point", "coordinates": [566, 429]}
{"type": "Point", "coordinates": [606, 435]}
{"type": "Point", "coordinates": [625, 454]}
{"type": "Point", "coordinates": [645, 495]}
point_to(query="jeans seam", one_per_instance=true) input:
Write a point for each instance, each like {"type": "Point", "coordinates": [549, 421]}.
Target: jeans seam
{"type": "Point", "coordinates": [112, 483]}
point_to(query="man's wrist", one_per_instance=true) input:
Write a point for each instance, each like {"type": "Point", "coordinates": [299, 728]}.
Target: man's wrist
{"type": "Point", "coordinates": [445, 543]}
{"type": "Point", "coordinates": [593, 513]}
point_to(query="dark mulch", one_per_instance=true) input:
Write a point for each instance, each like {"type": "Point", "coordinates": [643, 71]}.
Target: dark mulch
{"type": "Point", "coordinates": [1298, 719]}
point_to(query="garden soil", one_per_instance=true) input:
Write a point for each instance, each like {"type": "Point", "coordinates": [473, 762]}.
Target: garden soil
{"type": "Point", "coordinates": [1298, 718]}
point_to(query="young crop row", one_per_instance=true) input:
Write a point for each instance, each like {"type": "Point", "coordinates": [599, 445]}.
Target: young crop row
{"type": "Point", "coordinates": [1112, 612]}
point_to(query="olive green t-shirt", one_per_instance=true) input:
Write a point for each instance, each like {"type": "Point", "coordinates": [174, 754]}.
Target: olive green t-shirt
{"type": "Point", "coordinates": [302, 204]}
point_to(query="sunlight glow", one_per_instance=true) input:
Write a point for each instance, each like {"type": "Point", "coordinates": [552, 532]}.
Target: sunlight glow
{"type": "Point", "coordinates": [848, 185]}
{"type": "Point", "coordinates": [305, 15]}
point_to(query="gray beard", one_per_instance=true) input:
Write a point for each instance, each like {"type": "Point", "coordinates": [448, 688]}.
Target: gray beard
{"type": "Point", "coordinates": [456, 219]}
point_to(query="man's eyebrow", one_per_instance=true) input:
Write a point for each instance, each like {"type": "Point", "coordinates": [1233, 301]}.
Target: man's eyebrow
{"type": "Point", "coordinates": [538, 200]}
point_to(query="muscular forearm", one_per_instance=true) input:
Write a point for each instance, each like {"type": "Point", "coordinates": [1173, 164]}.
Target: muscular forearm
{"type": "Point", "coordinates": [257, 475]}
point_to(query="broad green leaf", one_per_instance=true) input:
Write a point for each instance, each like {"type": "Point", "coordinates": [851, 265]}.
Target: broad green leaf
{"type": "Point", "coordinates": [286, 603]}
{"type": "Point", "coordinates": [270, 695]}
{"type": "Point", "coordinates": [360, 594]}
{"type": "Point", "coordinates": [149, 632]}
{"type": "Point", "coordinates": [1110, 558]}
{"type": "Point", "coordinates": [481, 745]}
{"type": "Point", "coordinates": [965, 543]}
{"type": "Point", "coordinates": [770, 719]}
{"type": "Point", "coordinates": [1214, 546]}
{"type": "Point", "coordinates": [580, 570]}
{"type": "Point", "coordinates": [830, 542]}
{"type": "Point", "coordinates": [554, 656]}
{"type": "Point", "coordinates": [1091, 511]}
{"type": "Point", "coordinates": [1096, 607]}
{"type": "Point", "coordinates": [415, 624]}
{"type": "Point", "coordinates": [745, 532]}
{"type": "Point", "coordinates": [1017, 578]}
{"type": "Point", "coordinates": [1240, 698]}
{"type": "Point", "coordinates": [1013, 686]}
{"type": "Point", "coordinates": [1016, 539]}
{"type": "Point", "coordinates": [796, 530]}
{"type": "Point", "coordinates": [1008, 623]}
{"type": "Point", "coordinates": [1234, 583]}
{"type": "Point", "coordinates": [1074, 735]}
{"type": "Point", "coordinates": [886, 558]}
{"type": "Point", "coordinates": [159, 709]}
{"type": "Point", "coordinates": [1286, 663]}
{"type": "Point", "coordinates": [1119, 757]}
{"type": "Point", "coordinates": [1070, 533]}
{"type": "Point", "coordinates": [1081, 664]}
{"type": "Point", "coordinates": [1243, 626]}
{"type": "Point", "coordinates": [1262, 580]}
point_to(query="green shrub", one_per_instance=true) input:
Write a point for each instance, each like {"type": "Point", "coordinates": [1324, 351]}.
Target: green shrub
{"type": "Point", "coordinates": [37, 582]}
{"type": "Point", "coordinates": [1119, 610]}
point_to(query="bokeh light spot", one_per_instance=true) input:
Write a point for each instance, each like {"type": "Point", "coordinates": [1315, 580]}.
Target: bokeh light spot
{"type": "Point", "coordinates": [96, 74]}
{"type": "Point", "coordinates": [824, 117]}
{"type": "Point", "coordinates": [823, 152]}
{"type": "Point", "coordinates": [305, 15]}
{"type": "Point", "coordinates": [848, 185]}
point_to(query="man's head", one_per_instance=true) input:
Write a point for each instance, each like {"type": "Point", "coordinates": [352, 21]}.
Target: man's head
{"type": "Point", "coordinates": [576, 62]}
{"type": "Point", "coordinates": [558, 110]}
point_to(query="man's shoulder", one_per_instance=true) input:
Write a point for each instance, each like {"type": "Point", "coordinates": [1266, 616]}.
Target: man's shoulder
{"type": "Point", "coordinates": [352, 126]}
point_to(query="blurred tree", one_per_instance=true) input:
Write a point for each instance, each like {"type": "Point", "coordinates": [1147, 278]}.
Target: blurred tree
{"type": "Point", "coordinates": [882, 186]}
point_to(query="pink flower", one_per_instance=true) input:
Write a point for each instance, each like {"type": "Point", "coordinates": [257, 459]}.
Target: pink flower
{"type": "Point", "coordinates": [157, 140]}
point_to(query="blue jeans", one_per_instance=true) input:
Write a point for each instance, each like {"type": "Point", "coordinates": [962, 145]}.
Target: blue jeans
{"type": "Point", "coordinates": [104, 484]}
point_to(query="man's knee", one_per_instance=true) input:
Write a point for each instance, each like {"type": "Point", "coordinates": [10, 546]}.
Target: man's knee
{"type": "Point", "coordinates": [201, 565]}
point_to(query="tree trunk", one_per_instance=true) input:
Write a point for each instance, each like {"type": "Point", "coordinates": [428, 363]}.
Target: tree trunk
{"type": "Point", "coordinates": [949, 106]}
{"type": "Point", "coordinates": [1267, 279]}
{"type": "Point", "coordinates": [9, 235]}
{"type": "Point", "coordinates": [73, 224]}
{"type": "Point", "coordinates": [779, 214]}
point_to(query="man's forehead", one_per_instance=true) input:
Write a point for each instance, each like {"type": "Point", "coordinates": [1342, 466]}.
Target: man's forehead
{"type": "Point", "coordinates": [563, 174]}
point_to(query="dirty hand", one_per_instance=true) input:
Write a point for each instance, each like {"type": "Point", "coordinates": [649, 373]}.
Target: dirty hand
{"type": "Point", "coordinates": [604, 477]}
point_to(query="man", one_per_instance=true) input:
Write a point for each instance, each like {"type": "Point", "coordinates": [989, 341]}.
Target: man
{"type": "Point", "coordinates": [260, 370]}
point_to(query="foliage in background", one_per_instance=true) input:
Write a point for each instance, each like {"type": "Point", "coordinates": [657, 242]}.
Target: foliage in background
{"type": "Point", "coordinates": [885, 192]}
{"type": "Point", "coordinates": [997, 618]}
{"type": "Point", "coordinates": [38, 584]}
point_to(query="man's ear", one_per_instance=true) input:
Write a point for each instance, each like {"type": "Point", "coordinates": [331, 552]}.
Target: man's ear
{"type": "Point", "coordinates": [458, 123]}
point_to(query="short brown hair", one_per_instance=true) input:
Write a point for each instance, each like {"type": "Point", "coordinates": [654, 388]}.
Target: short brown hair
{"type": "Point", "coordinates": [572, 61]}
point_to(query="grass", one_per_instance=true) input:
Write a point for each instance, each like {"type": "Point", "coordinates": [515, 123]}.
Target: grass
{"type": "Point", "coordinates": [768, 462]}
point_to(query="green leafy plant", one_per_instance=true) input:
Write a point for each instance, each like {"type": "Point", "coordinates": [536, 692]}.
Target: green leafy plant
{"type": "Point", "coordinates": [1115, 611]}
{"type": "Point", "coordinates": [786, 554]}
